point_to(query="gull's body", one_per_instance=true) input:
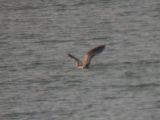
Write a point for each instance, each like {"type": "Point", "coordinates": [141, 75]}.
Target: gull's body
{"type": "Point", "coordinates": [87, 57]}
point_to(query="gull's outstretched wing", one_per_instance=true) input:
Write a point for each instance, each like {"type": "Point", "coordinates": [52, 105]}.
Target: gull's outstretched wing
{"type": "Point", "coordinates": [91, 53]}
{"type": "Point", "coordinates": [73, 57]}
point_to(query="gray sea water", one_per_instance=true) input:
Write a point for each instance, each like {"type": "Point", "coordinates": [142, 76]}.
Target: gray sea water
{"type": "Point", "coordinates": [39, 82]}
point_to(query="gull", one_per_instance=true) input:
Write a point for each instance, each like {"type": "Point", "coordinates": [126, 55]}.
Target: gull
{"type": "Point", "coordinates": [85, 63]}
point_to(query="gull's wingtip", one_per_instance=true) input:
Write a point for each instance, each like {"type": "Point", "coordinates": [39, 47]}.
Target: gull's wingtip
{"type": "Point", "coordinates": [100, 46]}
{"type": "Point", "coordinates": [103, 45]}
{"type": "Point", "coordinates": [69, 55]}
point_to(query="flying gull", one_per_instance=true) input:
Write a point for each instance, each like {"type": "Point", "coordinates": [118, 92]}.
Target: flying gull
{"type": "Point", "coordinates": [84, 64]}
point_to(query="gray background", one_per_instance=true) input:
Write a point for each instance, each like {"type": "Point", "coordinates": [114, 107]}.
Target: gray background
{"type": "Point", "coordinates": [39, 82]}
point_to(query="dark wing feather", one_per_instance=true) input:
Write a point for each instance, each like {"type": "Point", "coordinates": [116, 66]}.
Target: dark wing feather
{"type": "Point", "coordinates": [96, 50]}
{"type": "Point", "coordinates": [91, 53]}
{"type": "Point", "coordinates": [73, 57]}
